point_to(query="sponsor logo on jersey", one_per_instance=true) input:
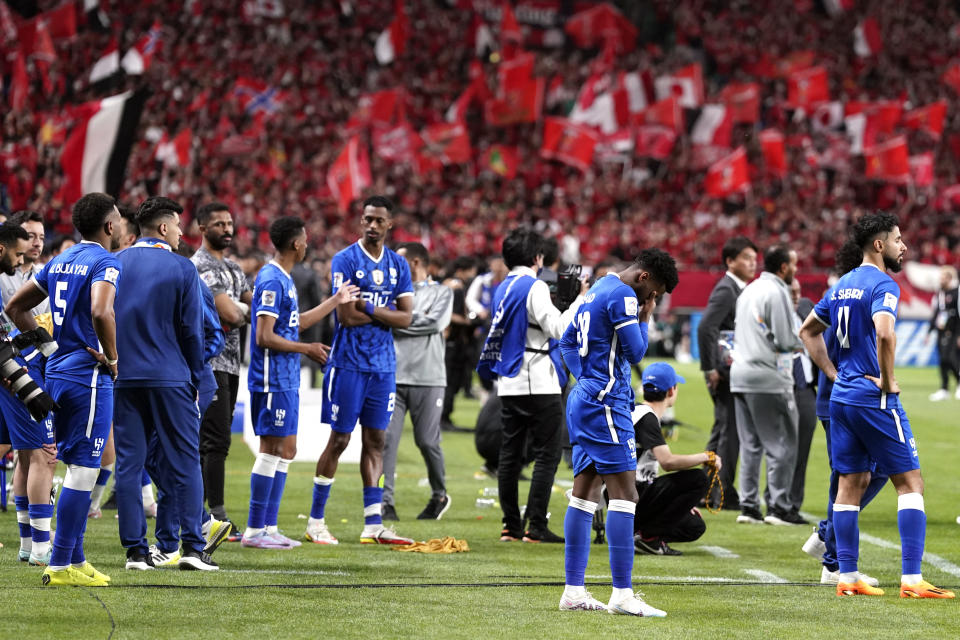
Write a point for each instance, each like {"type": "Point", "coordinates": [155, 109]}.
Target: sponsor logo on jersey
{"type": "Point", "coordinates": [268, 298]}
{"type": "Point", "coordinates": [590, 298]}
{"type": "Point", "coordinates": [359, 273]}
{"type": "Point", "coordinates": [377, 276]}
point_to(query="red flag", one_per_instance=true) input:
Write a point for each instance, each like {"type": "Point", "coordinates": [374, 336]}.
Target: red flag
{"type": "Point", "coordinates": [509, 28]}
{"type": "Point", "coordinates": [743, 101]}
{"type": "Point", "coordinates": [615, 147]}
{"type": "Point", "coordinates": [392, 41]}
{"type": "Point", "coordinates": [951, 77]}
{"type": "Point", "coordinates": [685, 84]}
{"type": "Point", "coordinates": [448, 142]}
{"type": "Point", "coordinates": [569, 143]}
{"type": "Point", "coordinates": [62, 21]}
{"type": "Point", "coordinates": [795, 61]}
{"type": "Point", "coordinates": [921, 169]}
{"type": "Point", "coordinates": [44, 55]}
{"type": "Point", "coordinates": [774, 151]}
{"type": "Point", "coordinates": [201, 101]}
{"type": "Point", "coordinates": [728, 176]}
{"type": "Point", "coordinates": [601, 25]}
{"type": "Point", "coordinates": [654, 141]}
{"type": "Point", "coordinates": [666, 113]}
{"type": "Point", "coordinates": [20, 83]}
{"type": "Point", "coordinates": [7, 26]}
{"type": "Point", "coordinates": [380, 108]}
{"type": "Point", "coordinates": [867, 41]}
{"type": "Point", "coordinates": [397, 144]}
{"type": "Point", "coordinates": [176, 152]}
{"type": "Point", "coordinates": [808, 87]}
{"type": "Point", "coordinates": [929, 118]}
{"type": "Point", "coordinates": [349, 175]}
{"type": "Point", "coordinates": [138, 59]}
{"type": "Point", "coordinates": [502, 160]}
{"type": "Point", "coordinates": [889, 161]}
{"type": "Point", "coordinates": [884, 115]}
{"type": "Point", "coordinates": [522, 103]}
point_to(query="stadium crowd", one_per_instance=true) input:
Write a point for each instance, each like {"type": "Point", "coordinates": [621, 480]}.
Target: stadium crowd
{"type": "Point", "coordinates": [320, 57]}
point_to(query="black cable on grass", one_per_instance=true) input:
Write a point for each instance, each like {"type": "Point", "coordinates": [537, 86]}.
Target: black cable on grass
{"type": "Point", "coordinates": [113, 624]}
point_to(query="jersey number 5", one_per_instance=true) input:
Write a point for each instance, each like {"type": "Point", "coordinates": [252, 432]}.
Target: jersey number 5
{"type": "Point", "coordinates": [60, 303]}
{"type": "Point", "coordinates": [583, 328]}
{"type": "Point", "coordinates": [843, 327]}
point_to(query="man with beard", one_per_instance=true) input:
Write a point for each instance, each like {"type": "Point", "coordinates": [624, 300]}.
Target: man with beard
{"type": "Point", "coordinates": [232, 295]}
{"type": "Point", "coordinates": [867, 422]}
{"type": "Point", "coordinates": [82, 284]}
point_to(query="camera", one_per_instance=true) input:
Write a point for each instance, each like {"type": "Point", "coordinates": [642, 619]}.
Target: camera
{"type": "Point", "coordinates": [564, 285]}
{"type": "Point", "coordinates": [29, 392]}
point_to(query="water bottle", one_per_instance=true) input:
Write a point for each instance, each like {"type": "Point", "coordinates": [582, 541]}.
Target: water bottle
{"type": "Point", "coordinates": [489, 492]}
{"type": "Point", "coordinates": [485, 503]}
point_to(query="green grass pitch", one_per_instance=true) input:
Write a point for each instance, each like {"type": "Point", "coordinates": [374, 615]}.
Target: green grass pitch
{"type": "Point", "coordinates": [497, 590]}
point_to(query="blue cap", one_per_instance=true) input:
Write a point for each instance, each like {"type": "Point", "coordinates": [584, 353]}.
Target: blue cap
{"type": "Point", "coordinates": [661, 376]}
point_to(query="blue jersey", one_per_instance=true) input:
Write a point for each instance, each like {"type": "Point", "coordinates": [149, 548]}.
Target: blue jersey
{"type": "Point", "coordinates": [848, 309]}
{"type": "Point", "coordinates": [382, 280]}
{"type": "Point", "coordinates": [275, 295]}
{"type": "Point", "coordinates": [604, 340]}
{"type": "Point", "coordinates": [67, 280]}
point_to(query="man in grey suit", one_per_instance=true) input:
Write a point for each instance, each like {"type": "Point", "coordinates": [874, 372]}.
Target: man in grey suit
{"type": "Point", "coordinates": [761, 379]}
{"type": "Point", "coordinates": [740, 257]}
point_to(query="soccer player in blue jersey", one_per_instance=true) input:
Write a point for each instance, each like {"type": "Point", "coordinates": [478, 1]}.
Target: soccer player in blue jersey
{"type": "Point", "coordinates": [867, 421]}
{"type": "Point", "coordinates": [274, 376]}
{"type": "Point", "coordinates": [607, 337]}
{"type": "Point", "coordinates": [360, 379]}
{"type": "Point", "coordinates": [81, 283]}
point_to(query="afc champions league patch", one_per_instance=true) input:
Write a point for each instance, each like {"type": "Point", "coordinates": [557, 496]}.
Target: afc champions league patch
{"type": "Point", "coordinates": [268, 298]}
{"type": "Point", "coordinates": [111, 275]}
{"type": "Point", "coordinates": [890, 301]}
{"type": "Point", "coordinates": [630, 305]}
{"type": "Point", "coordinates": [337, 280]}
{"type": "Point", "coordinates": [377, 276]}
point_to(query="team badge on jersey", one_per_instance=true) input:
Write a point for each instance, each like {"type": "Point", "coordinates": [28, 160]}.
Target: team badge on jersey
{"type": "Point", "coordinates": [377, 276]}
{"type": "Point", "coordinates": [393, 275]}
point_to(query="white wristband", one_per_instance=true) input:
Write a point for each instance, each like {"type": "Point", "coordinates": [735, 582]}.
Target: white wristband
{"type": "Point", "coordinates": [243, 306]}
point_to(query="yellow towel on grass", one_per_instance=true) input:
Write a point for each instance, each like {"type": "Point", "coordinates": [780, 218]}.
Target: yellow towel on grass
{"type": "Point", "coordinates": [437, 545]}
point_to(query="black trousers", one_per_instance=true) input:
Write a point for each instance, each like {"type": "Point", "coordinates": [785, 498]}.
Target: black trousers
{"type": "Point", "coordinates": [215, 437]}
{"type": "Point", "coordinates": [725, 441]}
{"type": "Point", "coordinates": [459, 362]}
{"type": "Point", "coordinates": [536, 417]}
{"type": "Point", "coordinates": [665, 506]}
{"type": "Point", "coordinates": [947, 350]}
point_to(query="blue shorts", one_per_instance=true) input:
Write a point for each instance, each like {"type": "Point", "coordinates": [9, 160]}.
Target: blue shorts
{"type": "Point", "coordinates": [864, 438]}
{"type": "Point", "coordinates": [82, 424]}
{"type": "Point", "coordinates": [276, 413]}
{"type": "Point", "coordinates": [22, 431]}
{"type": "Point", "coordinates": [602, 436]}
{"type": "Point", "coordinates": [350, 395]}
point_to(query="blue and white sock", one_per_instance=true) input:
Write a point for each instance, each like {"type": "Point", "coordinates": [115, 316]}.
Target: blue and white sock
{"type": "Point", "coordinates": [21, 503]}
{"type": "Point", "coordinates": [276, 494]}
{"type": "Point", "coordinates": [321, 492]}
{"type": "Point", "coordinates": [620, 542]}
{"type": "Point", "coordinates": [96, 496]}
{"type": "Point", "coordinates": [40, 517]}
{"type": "Point", "coordinates": [72, 510]}
{"type": "Point", "coordinates": [261, 484]}
{"type": "Point", "coordinates": [847, 531]}
{"type": "Point", "coordinates": [372, 507]}
{"type": "Point", "coordinates": [577, 524]}
{"type": "Point", "coordinates": [912, 523]}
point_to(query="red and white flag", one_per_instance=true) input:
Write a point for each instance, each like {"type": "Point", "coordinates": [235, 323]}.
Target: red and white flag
{"type": "Point", "coordinates": [838, 7]}
{"type": "Point", "coordinates": [481, 38]}
{"type": "Point", "coordinates": [7, 26]}
{"type": "Point", "coordinates": [655, 141]}
{"type": "Point", "coordinates": [568, 142]}
{"type": "Point", "coordinates": [615, 147]}
{"type": "Point", "coordinates": [392, 41]}
{"type": "Point", "coordinates": [867, 41]}
{"type": "Point", "coordinates": [714, 127]}
{"type": "Point", "coordinates": [774, 151]}
{"type": "Point", "coordinates": [742, 99]}
{"type": "Point", "coordinates": [175, 152]}
{"type": "Point", "coordinates": [137, 59]}
{"type": "Point", "coordinates": [666, 113]}
{"type": "Point", "coordinates": [349, 174]}
{"type": "Point", "coordinates": [397, 144]}
{"type": "Point", "coordinates": [808, 88]}
{"type": "Point", "coordinates": [888, 161]}
{"type": "Point", "coordinates": [94, 157]}
{"type": "Point", "coordinates": [728, 176]}
{"type": "Point", "coordinates": [685, 84]}
{"type": "Point", "coordinates": [108, 63]}
{"type": "Point", "coordinates": [929, 118]}
{"type": "Point", "coordinates": [639, 88]}
{"type": "Point", "coordinates": [921, 169]}
{"type": "Point", "coordinates": [827, 117]}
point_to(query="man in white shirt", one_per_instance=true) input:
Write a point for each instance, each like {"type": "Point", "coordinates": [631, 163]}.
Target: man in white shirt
{"type": "Point", "coordinates": [518, 351]}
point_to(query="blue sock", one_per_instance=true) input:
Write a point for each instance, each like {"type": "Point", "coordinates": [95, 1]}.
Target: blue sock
{"type": "Point", "coordinates": [144, 478]}
{"type": "Point", "coordinates": [847, 531]}
{"type": "Point", "coordinates": [261, 484]}
{"type": "Point", "coordinates": [78, 557]}
{"type": "Point", "coordinates": [372, 497]}
{"type": "Point", "coordinates": [40, 516]}
{"type": "Point", "coordinates": [104, 476]}
{"type": "Point", "coordinates": [276, 493]}
{"type": "Point", "coordinates": [877, 482]}
{"type": "Point", "coordinates": [577, 524]}
{"type": "Point", "coordinates": [21, 503]}
{"type": "Point", "coordinates": [912, 523]}
{"type": "Point", "coordinates": [321, 491]}
{"type": "Point", "coordinates": [620, 542]}
{"type": "Point", "coordinates": [71, 520]}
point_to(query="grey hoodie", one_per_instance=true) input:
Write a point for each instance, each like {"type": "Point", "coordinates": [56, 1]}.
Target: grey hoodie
{"type": "Point", "coordinates": [765, 338]}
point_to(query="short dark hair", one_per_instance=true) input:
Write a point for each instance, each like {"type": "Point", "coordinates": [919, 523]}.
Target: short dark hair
{"type": "Point", "coordinates": [154, 208]}
{"type": "Point", "coordinates": [551, 250]}
{"type": "Point", "coordinates": [129, 218]}
{"type": "Point", "coordinates": [416, 250]}
{"type": "Point", "coordinates": [379, 201]}
{"type": "Point", "coordinates": [650, 394]}
{"type": "Point", "coordinates": [207, 210]}
{"type": "Point", "coordinates": [868, 227]}
{"type": "Point", "coordinates": [776, 257]}
{"type": "Point", "coordinates": [661, 265]}
{"type": "Point", "coordinates": [90, 213]}
{"type": "Point", "coordinates": [735, 246]}
{"type": "Point", "coordinates": [521, 247]}
{"type": "Point", "coordinates": [849, 256]}
{"type": "Point", "coordinates": [20, 217]}
{"type": "Point", "coordinates": [284, 230]}
{"type": "Point", "coordinates": [10, 233]}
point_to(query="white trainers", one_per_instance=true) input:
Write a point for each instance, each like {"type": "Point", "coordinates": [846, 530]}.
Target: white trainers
{"type": "Point", "coordinates": [585, 602]}
{"type": "Point", "coordinates": [635, 606]}
{"type": "Point", "coordinates": [318, 533]}
{"type": "Point", "coordinates": [956, 394]}
{"type": "Point", "coordinates": [939, 395]}
{"type": "Point", "coordinates": [833, 577]}
{"type": "Point", "coordinates": [814, 545]}
{"type": "Point", "coordinates": [379, 534]}
{"type": "Point", "coordinates": [163, 559]}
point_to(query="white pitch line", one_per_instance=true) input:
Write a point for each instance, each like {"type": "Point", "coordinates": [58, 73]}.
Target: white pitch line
{"type": "Point", "coordinates": [668, 578]}
{"type": "Point", "coordinates": [936, 561]}
{"type": "Point", "coordinates": [719, 552]}
{"type": "Point", "coordinates": [765, 576]}
{"type": "Point", "coordinates": [287, 572]}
